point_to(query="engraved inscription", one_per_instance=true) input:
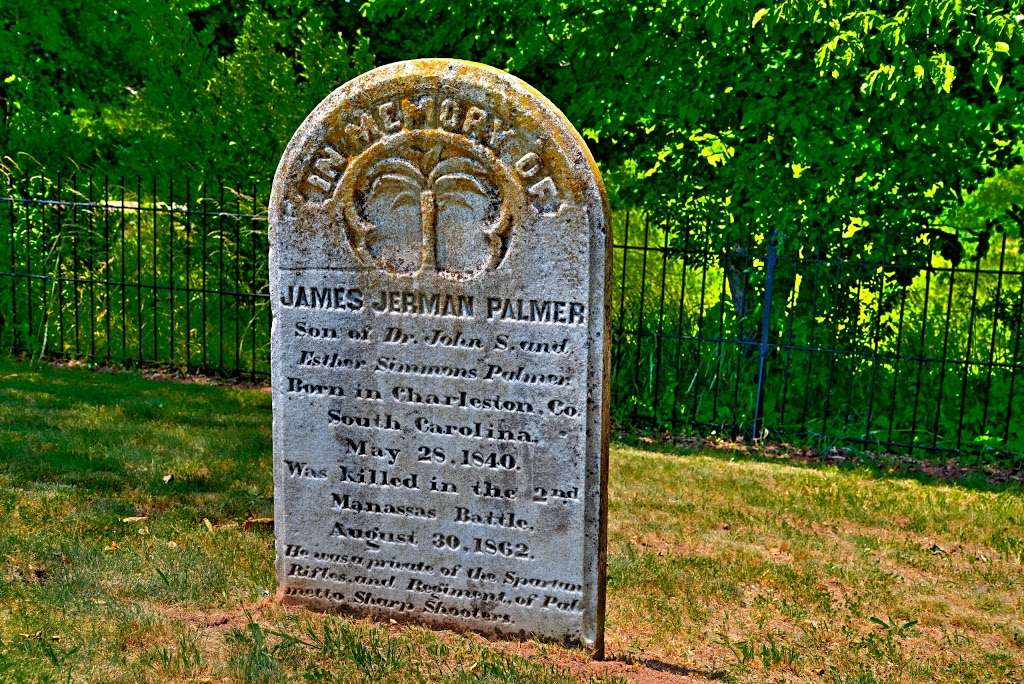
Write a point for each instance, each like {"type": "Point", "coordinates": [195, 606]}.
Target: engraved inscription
{"type": "Point", "coordinates": [438, 265]}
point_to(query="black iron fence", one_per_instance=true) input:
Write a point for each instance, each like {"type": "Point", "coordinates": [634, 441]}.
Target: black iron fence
{"type": "Point", "coordinates": [761, 341]}
{"type": "Point", "coordinates": [136, 274]}
{"type": "Point", "coordinates": [764, 342]}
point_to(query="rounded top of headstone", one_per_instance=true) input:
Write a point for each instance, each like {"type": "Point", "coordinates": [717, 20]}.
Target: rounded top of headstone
{"type": "Point", "coordinates": [430, 167]}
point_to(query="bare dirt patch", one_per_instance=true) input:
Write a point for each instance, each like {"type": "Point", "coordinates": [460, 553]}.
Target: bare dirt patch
{"type": "Point", "coordinates": [633, 669]}
{"type": "Point", "coordinates": [216, 619]}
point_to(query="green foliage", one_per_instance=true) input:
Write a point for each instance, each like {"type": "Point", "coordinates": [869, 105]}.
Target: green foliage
{"type": "Point", "coordinates": [868, 139]}
{"type": "Point", "coordinates": [797, 118]}
{"type": "Point", "coordinates": [167, 89]}
{"type": "Point", "coordinates": [845, 130]}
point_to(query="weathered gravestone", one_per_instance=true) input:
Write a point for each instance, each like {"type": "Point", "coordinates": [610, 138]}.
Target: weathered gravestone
{"type": "Point", "coordinates": [438, 270]}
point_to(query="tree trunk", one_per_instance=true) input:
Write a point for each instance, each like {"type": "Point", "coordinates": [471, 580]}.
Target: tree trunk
{"type": "Point", "coordinates": [737, 264]}
{"type": "Point", "coordinates": [5, 113]}
{"type": "Point", "coordinates": [428, 211]}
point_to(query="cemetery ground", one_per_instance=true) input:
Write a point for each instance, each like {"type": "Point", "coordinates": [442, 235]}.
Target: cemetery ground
{"type": "Point", "coordinates": [135, 546]}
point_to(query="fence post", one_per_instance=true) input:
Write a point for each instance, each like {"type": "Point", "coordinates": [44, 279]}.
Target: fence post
{"type": "Point", "coordinates": [763, 347]}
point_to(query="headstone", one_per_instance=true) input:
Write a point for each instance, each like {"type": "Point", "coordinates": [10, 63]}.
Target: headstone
{"type": "Point", "coordinates": [438, 268]}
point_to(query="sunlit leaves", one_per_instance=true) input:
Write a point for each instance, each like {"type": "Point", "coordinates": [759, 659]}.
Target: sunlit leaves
{"type": "Point", "coordinates": [801, 113]}
{"type": "Point", "coordinates": [713, 149]}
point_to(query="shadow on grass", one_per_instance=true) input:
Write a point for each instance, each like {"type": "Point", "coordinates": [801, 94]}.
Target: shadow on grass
{"type": "Point", "coordinates": [669, 668]}
{"type": "Point", "coordinates": [886, 466]}
{"type": "Point", "coordinates": [117, 434]}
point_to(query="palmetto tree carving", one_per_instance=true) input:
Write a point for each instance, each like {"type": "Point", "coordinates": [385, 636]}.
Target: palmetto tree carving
{"type": "Point", "coordinates": [438, 182]}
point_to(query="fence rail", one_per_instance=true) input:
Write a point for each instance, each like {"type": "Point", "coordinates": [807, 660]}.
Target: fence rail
{"type": "Point", "coordinates": [761, 342]}
{"type": "Point", "coordinates": [147, 275]}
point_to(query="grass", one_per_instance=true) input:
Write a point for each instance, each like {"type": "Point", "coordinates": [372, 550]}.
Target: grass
{"type": "Point", "coordinates": [124, 557]}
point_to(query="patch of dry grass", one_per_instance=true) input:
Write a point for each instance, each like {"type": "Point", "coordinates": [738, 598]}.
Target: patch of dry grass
{"type": "Point", "coordinates": [719, 569]}
{"type": "Point", "coordinates": [767, 570]}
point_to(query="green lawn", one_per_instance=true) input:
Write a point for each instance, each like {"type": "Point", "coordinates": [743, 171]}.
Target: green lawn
{"type": "Point", "coordinates": [124, 557]}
